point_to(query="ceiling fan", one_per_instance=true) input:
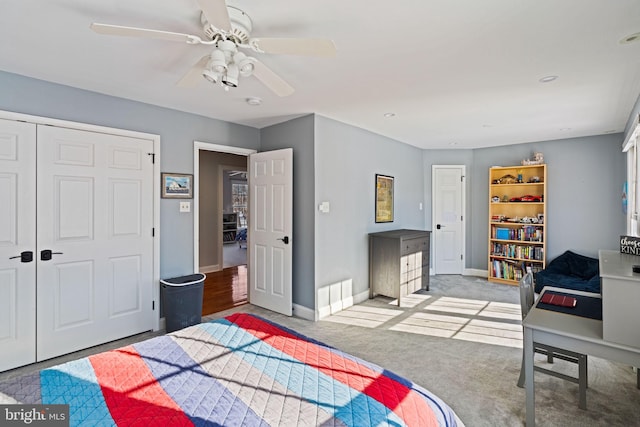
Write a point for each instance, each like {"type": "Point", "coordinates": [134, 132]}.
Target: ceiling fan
{"type": "Point", "coordinates": [228, 29]}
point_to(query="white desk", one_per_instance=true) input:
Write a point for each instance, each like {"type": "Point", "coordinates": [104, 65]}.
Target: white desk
{"type": "Point", "coordinates": [620, 289]}
{"type": "Point", "coordinates": [570, 332]}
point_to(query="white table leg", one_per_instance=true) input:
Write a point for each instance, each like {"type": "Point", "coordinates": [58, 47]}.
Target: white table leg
{"type": "Point", "coordinates": [528, 378]}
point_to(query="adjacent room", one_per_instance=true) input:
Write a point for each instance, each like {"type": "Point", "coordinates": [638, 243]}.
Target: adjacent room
{"type": "Point", "coordinates": [225, 212]}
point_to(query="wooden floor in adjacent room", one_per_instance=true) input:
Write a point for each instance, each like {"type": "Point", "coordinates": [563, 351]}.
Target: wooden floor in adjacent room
{"type": "Point", "coordinates": [224, 289]}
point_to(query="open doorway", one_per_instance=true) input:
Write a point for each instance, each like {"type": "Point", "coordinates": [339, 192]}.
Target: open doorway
{"type": "Point", "coordinates": [235, 201]}
{"type": "Point", "coordinates": [219, 219]}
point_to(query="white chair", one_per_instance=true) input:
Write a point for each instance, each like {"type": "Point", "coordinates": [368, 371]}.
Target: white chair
{"type": "Point", "coordinates": [527, 299]}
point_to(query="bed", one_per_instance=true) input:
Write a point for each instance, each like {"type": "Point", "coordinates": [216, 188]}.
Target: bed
{"type": "Point", "coordinates": [238, 370]}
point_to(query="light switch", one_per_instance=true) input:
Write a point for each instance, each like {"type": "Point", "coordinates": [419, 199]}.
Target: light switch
{"type": "Point", "coordinates": [185, 206]}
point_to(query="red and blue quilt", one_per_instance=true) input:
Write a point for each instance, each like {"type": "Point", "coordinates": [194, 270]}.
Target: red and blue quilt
{"type": "Point", "coordinates": [241, 370]}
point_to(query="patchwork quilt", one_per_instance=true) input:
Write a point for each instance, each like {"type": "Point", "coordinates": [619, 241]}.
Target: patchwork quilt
{"type": "Point", "coordinates": [239, 370]}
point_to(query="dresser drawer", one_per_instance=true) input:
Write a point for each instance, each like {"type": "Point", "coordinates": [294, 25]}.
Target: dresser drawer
{"type": "Point", "coordinates": [425, 259]}
{"type": "Point", "coordinates": [410, 246]}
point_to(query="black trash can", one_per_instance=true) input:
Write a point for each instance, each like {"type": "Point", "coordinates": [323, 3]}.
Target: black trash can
{"type": "Point", "coordinates": [182, 301]}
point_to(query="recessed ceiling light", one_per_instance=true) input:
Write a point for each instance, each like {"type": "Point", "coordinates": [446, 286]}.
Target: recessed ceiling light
{"type": "Point", "coordinates": [547, 79]}
{"type": "Point", "coordinates": [254, 100]}
{"type": "Point", "coordinates": [564, 129]}
{"type": "Point", "coordinates": [631, 38]}
{"type": "Point", "coordinates": [389, 115]}
{"type": "Point", "coordinates": [453, 143]}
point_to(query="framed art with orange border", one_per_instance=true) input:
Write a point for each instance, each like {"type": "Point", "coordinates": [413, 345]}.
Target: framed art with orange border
{"type": "Point", "coordinates": [384, 198]}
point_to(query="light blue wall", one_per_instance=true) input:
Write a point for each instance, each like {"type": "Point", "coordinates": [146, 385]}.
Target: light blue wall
{"type": "Point", "coordinates": [177, 131]}
{"type": "Point", "coordinates": [346, 162]}
{"type": "Point", "coordinates": [336, 162]}
{"type": "Point", "coordinates": [298, 134]}
{"type": "Point", "coordinates": [584, 185]}
{"type": "Point", "coordinates": [450, 157]}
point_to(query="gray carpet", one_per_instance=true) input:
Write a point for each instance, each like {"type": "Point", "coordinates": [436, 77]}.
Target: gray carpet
{"type": "Point", "coordinates": [461, 340]}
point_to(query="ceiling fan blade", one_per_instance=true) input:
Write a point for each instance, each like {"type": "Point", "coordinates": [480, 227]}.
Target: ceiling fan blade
{"type": "Point", "coordinates": [271, 79]}
{"type": "Point", "coordinates": [307, 47]}
{"type": "Point", "coordinates": [216, 13]}
{"type": "Point", "coordinates": [194, 75]}
{"type": "Point", "coordinates": [118, 30]}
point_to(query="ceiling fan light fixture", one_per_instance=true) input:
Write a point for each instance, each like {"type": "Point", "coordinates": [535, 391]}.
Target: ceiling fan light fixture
{"type": "Point", "coordinates": [210, 75]}
{"type": "Point", "coordinates": [218, 61]}
{"type": "Point", "coordinates": [231, 78]}
{"type": "Point", "coordinates": [245, 64]}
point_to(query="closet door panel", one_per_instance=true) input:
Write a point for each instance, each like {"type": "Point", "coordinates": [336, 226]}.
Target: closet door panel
{"type": "Point", "coordinates": [17, 236]}
{"type": "Point", "coordinates": [73, 200]}
{"type": "Point", "coordinates": [99, 191]}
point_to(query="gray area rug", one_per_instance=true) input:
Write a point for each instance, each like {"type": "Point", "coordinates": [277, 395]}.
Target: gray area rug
{"type": "Point", "coordinates": [462, 340]}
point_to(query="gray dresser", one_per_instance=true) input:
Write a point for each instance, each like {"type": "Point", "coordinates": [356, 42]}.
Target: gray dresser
{"type": "Point", "coordinates": [398, 262]}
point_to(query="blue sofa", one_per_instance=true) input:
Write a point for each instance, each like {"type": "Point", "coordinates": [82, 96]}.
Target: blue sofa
{"type": "Point", "coordinates": [571, 271]}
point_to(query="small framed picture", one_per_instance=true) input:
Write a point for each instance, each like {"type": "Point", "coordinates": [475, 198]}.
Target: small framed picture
{"type": "Point", "coordinates": [177, 185]}
{"type": "Point", "coordinates": [384, 198]}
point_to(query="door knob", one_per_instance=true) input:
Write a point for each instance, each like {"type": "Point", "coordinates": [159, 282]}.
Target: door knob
{"type": "Point", "coordinates": [26, 256]}
{"type": "Point", "coordinates": [285, 239]}
{"type": "Point", "coordinates": [47, 254]}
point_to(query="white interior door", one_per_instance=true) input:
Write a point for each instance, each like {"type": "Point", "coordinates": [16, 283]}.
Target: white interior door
{"type": "Point", "coordinates": [95, 215]}
{"type": "Point", "coordinates": [17, 235]}
{"type": "Point", "coordinates": [270, 230]}
{"type": "Point", "coordinates": [448, 220]}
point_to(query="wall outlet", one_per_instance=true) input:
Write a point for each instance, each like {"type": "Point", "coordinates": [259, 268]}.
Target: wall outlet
{"type": "Point", "coordinates": [185, 206]}
{"type": "Point", "coordinates": [324, 207]}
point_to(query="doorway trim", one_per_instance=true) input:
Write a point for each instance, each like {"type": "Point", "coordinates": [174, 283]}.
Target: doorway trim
{"type": "Point", "coordinates": [206, 146]}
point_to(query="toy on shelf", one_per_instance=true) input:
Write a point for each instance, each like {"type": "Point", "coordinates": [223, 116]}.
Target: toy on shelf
{"type": "Point", "coordinates": [538, 159]}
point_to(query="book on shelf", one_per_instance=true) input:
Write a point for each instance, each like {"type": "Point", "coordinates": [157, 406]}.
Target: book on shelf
{"type": "Point", "coordinates": [511, 250]}
{"type": "Point", "coordinates": [527, 233]}
{"type": "Point", "coordinates": [506, 269]}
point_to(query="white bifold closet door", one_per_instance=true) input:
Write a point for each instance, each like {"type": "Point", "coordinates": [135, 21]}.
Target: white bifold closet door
{"type": "Point", "coordinates": [91, 205]}
{"type": "Point", "coordinates": [17, 236]}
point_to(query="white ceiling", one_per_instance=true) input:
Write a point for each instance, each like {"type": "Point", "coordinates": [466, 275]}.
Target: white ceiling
{"type": "Point", "coordinates": [456, 73]}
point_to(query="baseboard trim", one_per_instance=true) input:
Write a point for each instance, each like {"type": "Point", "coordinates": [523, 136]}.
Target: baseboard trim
{"type": "Point", "coordinates": [209, 268]}
{"type": "Point", "coordinates": [467, 272]}
{"type": "Point", "coordinates": [475, 272]}
{"type": "Point", "coordinates": [304, 312]}
{"type": "Point", "coordinates": [361, 297]}
{"type": "Point", "coordinates": [342, 304]}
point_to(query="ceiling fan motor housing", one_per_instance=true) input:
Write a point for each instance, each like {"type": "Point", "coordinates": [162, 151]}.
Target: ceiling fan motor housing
{"type": "Point", "coordinates": [241, 27]}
